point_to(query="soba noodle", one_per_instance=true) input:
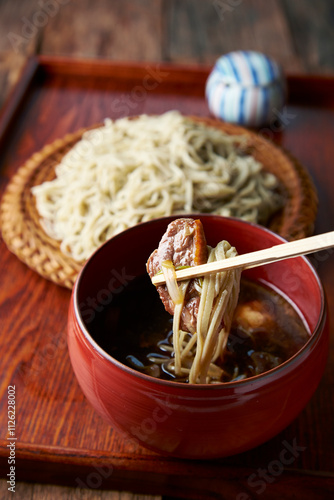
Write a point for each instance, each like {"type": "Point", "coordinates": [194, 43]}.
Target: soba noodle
{"type": "Point", "coordinates": [134, 170]}
{"type": "Point", "coordinates": [195, 354]}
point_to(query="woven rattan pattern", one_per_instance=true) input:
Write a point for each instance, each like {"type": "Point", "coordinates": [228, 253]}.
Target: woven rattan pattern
{"type": "Point", "coordinates": [25, 237]}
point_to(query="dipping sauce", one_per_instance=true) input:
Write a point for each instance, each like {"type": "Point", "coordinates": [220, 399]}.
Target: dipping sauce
{"type": "Point", "coordinates": [136, 330]}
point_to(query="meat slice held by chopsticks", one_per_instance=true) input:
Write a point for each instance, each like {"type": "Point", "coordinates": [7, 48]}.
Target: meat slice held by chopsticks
{"type": "Point", "coordinates": [183, 244]}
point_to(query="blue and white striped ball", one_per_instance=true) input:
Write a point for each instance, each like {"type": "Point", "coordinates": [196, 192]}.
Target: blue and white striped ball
{"type": "Point", "coordinates": [247, 88]}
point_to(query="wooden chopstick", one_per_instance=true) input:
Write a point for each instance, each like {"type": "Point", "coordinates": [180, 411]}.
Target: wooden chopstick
{"type": "Point", "coordinates": [258, 258]}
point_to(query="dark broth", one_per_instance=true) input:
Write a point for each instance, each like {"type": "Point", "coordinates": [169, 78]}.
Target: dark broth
{"type": "Point", "coordinates": [266, 331]}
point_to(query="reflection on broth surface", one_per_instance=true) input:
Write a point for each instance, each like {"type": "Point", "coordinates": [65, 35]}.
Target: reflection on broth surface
{"type": "Point", "coordinates": [136, 330]}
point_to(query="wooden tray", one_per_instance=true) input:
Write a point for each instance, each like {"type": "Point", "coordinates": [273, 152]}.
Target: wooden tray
{"type": "Point", "coordinates": [59, 437]}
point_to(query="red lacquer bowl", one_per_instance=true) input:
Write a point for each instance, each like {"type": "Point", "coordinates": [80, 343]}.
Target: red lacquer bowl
{"type": "Point", "coordinates": [195, 421]}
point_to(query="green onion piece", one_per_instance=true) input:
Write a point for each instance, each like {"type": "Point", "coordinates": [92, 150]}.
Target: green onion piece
{"type": "Point", "coordinates": [168, 270]}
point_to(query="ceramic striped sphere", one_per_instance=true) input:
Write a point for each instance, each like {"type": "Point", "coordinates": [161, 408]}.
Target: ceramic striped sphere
{"type": "Point", "coordinates": [247, 88]}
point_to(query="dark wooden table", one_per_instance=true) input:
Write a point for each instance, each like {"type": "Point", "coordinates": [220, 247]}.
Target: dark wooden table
{"type": "Point", "coordinates": [299, 35]}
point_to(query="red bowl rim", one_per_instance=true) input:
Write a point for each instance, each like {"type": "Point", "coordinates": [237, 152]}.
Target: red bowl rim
{"type": "Point", "coordinates": [170, 383]}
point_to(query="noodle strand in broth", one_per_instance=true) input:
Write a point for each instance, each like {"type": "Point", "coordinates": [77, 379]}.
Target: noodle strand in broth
{"type": "Point", "coordinates": [218, 300]}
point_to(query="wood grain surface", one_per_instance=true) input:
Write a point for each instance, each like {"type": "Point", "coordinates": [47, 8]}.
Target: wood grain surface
{"type": "Point", "coordinates": [298, 34]}
{"type": "Point", "coordinates": [33, 312]}
{"type": "Point", "coordinates": [54, 443]}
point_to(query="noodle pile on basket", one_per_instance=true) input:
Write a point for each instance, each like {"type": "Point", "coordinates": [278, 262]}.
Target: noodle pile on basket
{"type": "Point", "coordinates": [135, 170]}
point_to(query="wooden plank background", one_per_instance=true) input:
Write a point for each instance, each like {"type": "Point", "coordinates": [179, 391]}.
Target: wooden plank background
{"type": "Point", "coordinates": [298, 34]}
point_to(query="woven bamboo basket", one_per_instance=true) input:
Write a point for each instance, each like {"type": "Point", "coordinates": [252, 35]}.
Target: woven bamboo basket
{"type": "Point", "coordinates": [25, 237]}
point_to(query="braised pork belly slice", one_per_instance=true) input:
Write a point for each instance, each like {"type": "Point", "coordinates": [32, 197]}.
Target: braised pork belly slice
{"type": "Point", "coordinates": [183, 244]}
